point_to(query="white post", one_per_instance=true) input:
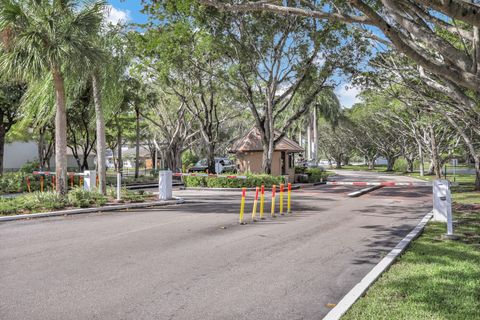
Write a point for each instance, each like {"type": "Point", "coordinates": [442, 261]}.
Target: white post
{"type": "Point", "coordinates": [119, 185]}
{"type": "Point", "coordinates": [164, 185]}
{"type": "Point", "coordinates": [89, 180]}
{"type": "Point", "coordinates": [442, 204]}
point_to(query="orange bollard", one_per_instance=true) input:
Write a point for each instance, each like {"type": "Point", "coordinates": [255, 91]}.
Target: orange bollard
{"type": "Point", "coordinates": [254, 211]}
{"type": "Point", "coordinates": [96, 181]}
{"type": "Point", "coordinates": [41, 183]}
{"type": "Point", "coordinates": [262, 201]}
{"type": "Point", "coordinates": [273, 201]}
{"type": "Point", "coordinates": [281, 199]}
{"type": "Point", "coordinates": [80, 181]}
{"type": "Point", "coordinates": [53, 183]}
{"type": "Point", "coordinates": [28, 184]}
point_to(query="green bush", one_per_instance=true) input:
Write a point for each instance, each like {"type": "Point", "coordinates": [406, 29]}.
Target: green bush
{"type": "Point", "coordinates": [300, 170]}
{"type": "Point", "coordinates": [315, 174]}
{"type": "Point", "coordinates": [189, 159]}
{"type": "Point", "coordinates": [43, 200]}
{"type": "Point", "coordinates": [30, 166]}
{"type": "Point", "coordinates": [400, 165]}
{"type": "Point", "coordinates": [78, 197]}
{"type": "Point", "coordinates": [253, 180]}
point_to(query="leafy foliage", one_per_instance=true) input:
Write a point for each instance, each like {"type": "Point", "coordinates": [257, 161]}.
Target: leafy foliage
{"type": "Point", "coordinates": [252, 180]}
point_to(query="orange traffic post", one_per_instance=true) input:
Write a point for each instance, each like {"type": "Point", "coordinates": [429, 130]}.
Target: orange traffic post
{"type": "Point", "coordinates": [96, 181]}
{"type": "Point", "coordinates": [242, 205]}
{"type": "Point", "coordinates": [289, 191]}
{"type": "Point", "coordinates": [254, 211]}
{"type": "Point", "coordinates": [41, 183]}
{"type": "Point", "coordinates": [273, 201]}
{"type": "Point", "coordinates": [262, 201]}
{"type": "Point", "coordinates": [53, 183]}
{"type": "Point", "coordinates": [281, 199]}
{"type": "Point", "coordinates": [80, 181]}
{"type": "Point", "coordinates": [28, 184]}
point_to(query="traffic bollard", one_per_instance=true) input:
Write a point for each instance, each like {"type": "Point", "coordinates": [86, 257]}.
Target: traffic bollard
{"type": "Point", "coordinates": [273, 201]}
{"type": "Point", "coordinates": [80, 181]}
{"type": "Point", "coordinates": [289, 191]}
{"type": "Point", "coordinates": [71, 180]}
{"type": "Point", "coordinates": [41, 183]}
{"type": "Point", "coordinates": [262, 201]}
{"type": "Point", "coordinates": [242, 205]}
{"type": "Point", "coordinates": [28, 185]}
{"type": "Point", "coordinates": [281, 199]}
{"type": "Point", "coordinates": [53, 183]}
{"type": "Point", "coordinates": [96, 181]}
{"type": "Point", "coordinates": [254, 211]}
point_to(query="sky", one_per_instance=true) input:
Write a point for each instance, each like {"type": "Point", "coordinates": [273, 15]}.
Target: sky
{"type": "Point", "coordinates": [129, 11]}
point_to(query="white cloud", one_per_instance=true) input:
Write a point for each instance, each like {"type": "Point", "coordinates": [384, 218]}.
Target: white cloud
{"type": "Point", "coordinates": [116, 16]}
{"type": "Point", "coordinates": [348, 95]}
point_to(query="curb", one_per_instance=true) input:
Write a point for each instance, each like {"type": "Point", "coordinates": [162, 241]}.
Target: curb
{"type": "Point", "coordinates": [360, 288]}
{"type": "Point", "coordinates": [158, 203]}
{"type": "Point", "coordinates": [363, 191]}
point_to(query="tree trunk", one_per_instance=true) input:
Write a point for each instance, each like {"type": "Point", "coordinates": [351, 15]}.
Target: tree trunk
{"type": "Point", "coordinates": [3, 132]}
{"type": "Point", "coordinates": [371, 163]}
{"type": "Point", "coordinates": [267, 156]}
{"type": "Point", "coordinates": [338, 162]}
{"type": "Point", "coordinates": [211, 158]}
{"type": "Point", "coordinates": [137, 142]}
{"type": "Point", "coordinates": [315, 137]}
{"type": "Point", "coordinates": [409, 164]}
{"type": "Point", "coordinates": [101, 141]}
{"type": "Point", "coordinates": [435, 155]}
{"type": "Point", "coordinates": [60, 132]}
{"type": "Point", "coordinates": [391, 163]}
{"type": "Point", "coordinates": [420, 156]}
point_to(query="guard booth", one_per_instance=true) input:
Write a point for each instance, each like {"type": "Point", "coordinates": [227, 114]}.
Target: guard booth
{"type": "Point", "coordinates": [249, 153]}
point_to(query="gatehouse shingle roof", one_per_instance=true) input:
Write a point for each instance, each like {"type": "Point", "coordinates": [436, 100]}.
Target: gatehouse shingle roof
{"type": "Point", "coordinates": [252, 141]}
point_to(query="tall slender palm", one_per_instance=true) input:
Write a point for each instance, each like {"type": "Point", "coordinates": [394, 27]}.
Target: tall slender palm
{"type": "Point", "coordinates": [41, 36]}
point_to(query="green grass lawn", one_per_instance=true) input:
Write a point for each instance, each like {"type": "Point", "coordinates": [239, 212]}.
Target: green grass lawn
{"type": "Point", "coordinates": [434, 278]}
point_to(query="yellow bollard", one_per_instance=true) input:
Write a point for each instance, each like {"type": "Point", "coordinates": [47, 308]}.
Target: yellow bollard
{"type": "Point", "coordinates": [289, 190]}
{"type": "Point", "coordinates": [254, 211]}
{"type": "Point", "coordinates": [262, 201]}
{"type": "Point", "coordinates": [41, 183]}
{"type": "Point", "coordinates": [281, 199]}
{"type": "Point", "coordinates": [273, 201]}
{"type": "Point", "coordinates": [242, 205]}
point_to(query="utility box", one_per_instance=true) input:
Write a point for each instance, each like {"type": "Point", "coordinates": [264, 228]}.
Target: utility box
{"type": "Point", "coordinates": [164, 185]}
{"type": "Point", "coordinates": [89, 180]}
{"type": "Point", "coordinates": [442, 203]}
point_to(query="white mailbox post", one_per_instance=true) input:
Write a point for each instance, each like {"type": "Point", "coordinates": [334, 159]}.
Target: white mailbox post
{"type": "Point", "coordinates": [442, 204]}
{"type": "Point", "coordinates": [89, 180]}
{"type": "Point", "coordinates": [164, 185]}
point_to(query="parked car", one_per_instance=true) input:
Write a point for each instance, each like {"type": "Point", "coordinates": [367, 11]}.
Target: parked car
{"type": "Point", "coordinates": [221, 165]}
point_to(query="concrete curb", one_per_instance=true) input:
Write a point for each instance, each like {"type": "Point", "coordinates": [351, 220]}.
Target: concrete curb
{"type": "Point", "coordinates": [356, 292]}
{"type": "Point", "coordinates": [363, 191]}
{"type": "Point", "coordinates": [158, 203]}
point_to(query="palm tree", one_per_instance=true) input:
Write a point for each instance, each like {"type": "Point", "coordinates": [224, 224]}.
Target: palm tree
{"type": "Point", "coordinates": [50, 36]}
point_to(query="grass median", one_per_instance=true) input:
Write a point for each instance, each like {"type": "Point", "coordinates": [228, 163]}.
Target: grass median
{"type": "Point", "coordinates": [434, 278]}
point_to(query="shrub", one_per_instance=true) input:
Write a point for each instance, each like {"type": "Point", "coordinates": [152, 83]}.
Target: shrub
{"type": "Point", "coordinates": [315, 174]}
{"type": "Point", "coordinates": [400, 165]}
{"type": "Point", "coordinates": [252, 180]}
{"type": "Point", "coordinates": [30, 166]}
{"type": "Point", "coordinates": [300, 170]}
{"type": "Point", "coordinates": [78, 197]}
{"type": "Point", "coordinates": [42, 200]}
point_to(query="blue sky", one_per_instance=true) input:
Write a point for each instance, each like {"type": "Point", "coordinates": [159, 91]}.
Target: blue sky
{"type": "Point", "coordinates": [129, 11]}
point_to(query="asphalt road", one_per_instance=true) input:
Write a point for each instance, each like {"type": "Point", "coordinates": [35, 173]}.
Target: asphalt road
{"type": "Point", "coordinates": [194, 261]}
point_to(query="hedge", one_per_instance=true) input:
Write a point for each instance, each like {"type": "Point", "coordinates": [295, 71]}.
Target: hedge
{"type": "Point", "coordinates": [252, 180]}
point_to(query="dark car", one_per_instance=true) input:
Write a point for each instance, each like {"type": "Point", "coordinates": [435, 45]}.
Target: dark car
{"type": "Point", "coordinates": [221, 165]}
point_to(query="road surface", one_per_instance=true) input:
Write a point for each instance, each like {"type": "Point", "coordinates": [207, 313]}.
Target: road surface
{"type": "Point", "coordinates": [194, 261]}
